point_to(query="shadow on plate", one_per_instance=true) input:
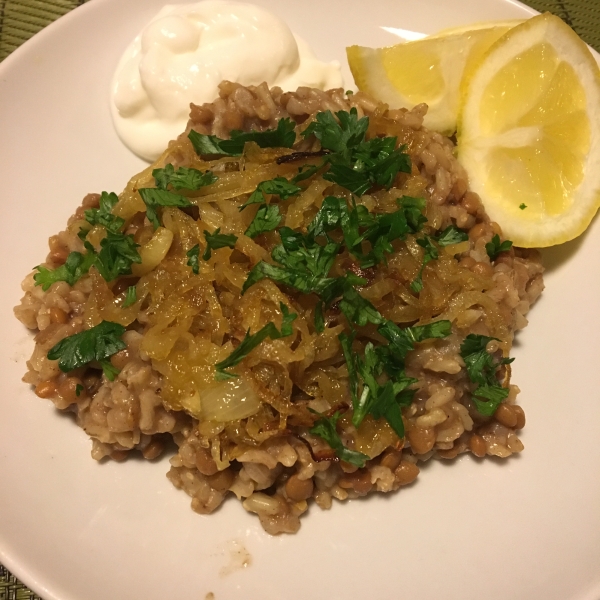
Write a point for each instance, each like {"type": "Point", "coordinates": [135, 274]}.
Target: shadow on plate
{"type": "Point", "coordinates": [554, 257]}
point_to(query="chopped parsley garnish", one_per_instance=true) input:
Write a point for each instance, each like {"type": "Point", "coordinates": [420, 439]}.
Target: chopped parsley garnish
{"type": "Point", "coordinates": [183, 178]}
{"type": "Point", "coordinates": [304, 264]}
{"type": "Point", "coordinates": [308, 262]}
{"type": "Point", "coordinates": [523, 206]}
{"type": "Point", "coordinates": [103, 215]}
{"type": "Point", "coordinates": [306, 172]}
{"type": "Point", "coordinates": [117, 253]}
{"type": "Point", "coordinates": [413, 211]}
{"type": "Point", "coordinates": [78, 389]}
{"type": "Point", "coordinates": [341, 134]}
{"type": "Point", "coordinates": [325, 428]}
{"type": "Point", "coordinates": [214, 241]}
{"type": "Point", "coordinates": [250, 342]}
{"type": "Point", "coordinates": [451, 235]}
{"type": "Point", "coordinates": [431, 253]}
{"type": "Point", "coordinates": [381, 401]}
{"type": "Point", "coordinates": [355, 163]}
{"type": "Point", "coordinates": [403, 339]}
{"type": "Point", "coordinates": [193, 255]}
{"type": "Point", "coordinates": [279, 186]}
{"type": "Point", "coordinates": [358, 225]}
{"type": "Point", "coordinates": [282, 137]}
{"type": "Point", "coordinates": [385, 400]}
{"type": "Point", "coordinates": [358, 310]}
{"type": "Point", "coordinates": [267, 218]}
{"type": "Point", "coordinates": [481, 368]}
{"type": "Point", "coordinates": [71, 271]}
{"type": "Point", "coordinates": [494, 248]}
{"type": "Point", "coordinates": [131, 297]}
{"type": "Point", "coordinates": [96, 344]}
{"type": "Point", "coordinates": [154, 197]}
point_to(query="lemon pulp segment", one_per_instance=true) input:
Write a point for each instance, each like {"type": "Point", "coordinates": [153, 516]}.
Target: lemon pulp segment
{"type": "Point", "coordinates": [529, 132]}
{"type": "Point", "coordinates": [416, 72]}
{"type": "Point", "coordinates": [428, 70]}
{"type": "Point", "coordinates": [547, 105]}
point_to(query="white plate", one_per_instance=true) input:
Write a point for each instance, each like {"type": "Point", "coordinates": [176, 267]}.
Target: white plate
{"type": "Point", "coordinates": [72, 529]}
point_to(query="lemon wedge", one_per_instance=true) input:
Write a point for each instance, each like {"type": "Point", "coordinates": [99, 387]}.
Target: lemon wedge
{"type": "Point", "coordinates": [529, 132]}
{"type": "Point", "coordinates": [428, 70]}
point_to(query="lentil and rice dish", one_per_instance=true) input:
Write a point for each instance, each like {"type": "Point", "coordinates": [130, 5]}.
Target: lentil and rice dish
{"type": "Point", "coordinates": [307, 312]}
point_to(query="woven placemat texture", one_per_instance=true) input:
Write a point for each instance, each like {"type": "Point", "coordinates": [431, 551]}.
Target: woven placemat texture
{"type": "Point", "coordinates": [582, 15]}
{"type": "Point", "coordinates": [21, 19]}
{"type": "Point", "coordinates": [12, 589]}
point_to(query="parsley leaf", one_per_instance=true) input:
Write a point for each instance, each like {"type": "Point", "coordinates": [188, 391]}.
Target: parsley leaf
{"type": "Point", "coordinates": [360, 173]}
{"type": "Point", "coordinates": [451, 235]}
{"type": "Point", "coordinates": [403, 339]}
{"type": "Point", "coordinates": [487, 398]}
{"type": "Point", "coordinates": [385, 229]}
{"type": "Point", "coordinates": [389, 400]}
{"type": "Point", "coordinates": [357, 309]}
{"type": "Point", "coordinates": [523, 206]}
{"type": "Point", "coordinates": [358, 225]}
{"type": "Point", "coordinates": [267, 218]}
{"type": "Point", "coordinates": [78, 389]}
{"type": "Point", "coordinates": [300, 279]}
{"type": "Point", "coordinates": [357, 164]}
{"type": "Point", "coordinates": [494, 248]}
{"type": "Point", "coordinates": [251, 341]}
{"type": "Point", "coordinates": [282, 137]}
{"type": "Point", "coordinates": [303, 265]}
{"type": "Point", "coordinates": [279, 186]}
{"type": "Point", "coordinates": [103, 215]}
{"type": "Point", "coordinates": [118, 252]}
{"type": "Point", "coordinates": [383, 400]}
{"type": "Point", "coordinates": [340, 135]}
{"type": "Point", "coordinates": [319, 317]}
{"type": "Point", "coordinates": [183, 178]}
{"type": "Point", "coordinates": [306, 171]}
{"type": "Point", "coordinates": [95, 344]}
{"type": "Point", "coordinates": [378, 161]}
{"type": "Point", "coordinates": [413, 211]}
{"type": "Point", "coordinates": [154, 197]}
{"type": "Point", "coordinates": [301, 254]}
{"type": "Point", "coordinates": [71, 271]}
{"type": "Point", "coordinates": [214, 241]}
{"type": "Point", "coordinates": [331, 288]}
{"type": "Point", "coordinates": [481, 367]}
{"type": "Point", "coordinates": [193, 255]}
{"type": "Point", "coordinates": [131, 297]}
{"type": "Point", "coordinates": [325, 428]}
{"type": "Point", "coordinates": [328, 217]}
{"type": "Point", "coordinates": [431, 253]}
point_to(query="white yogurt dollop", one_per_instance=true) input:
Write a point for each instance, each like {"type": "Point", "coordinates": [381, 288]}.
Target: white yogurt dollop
{"type": "Point", "coordinates": [187, 50]}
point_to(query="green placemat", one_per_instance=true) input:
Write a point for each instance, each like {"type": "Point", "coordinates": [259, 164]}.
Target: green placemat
{"type": "Point", "coordinates": [12, 589]}
{"type": "Point", "coordinates": [21, 19]}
